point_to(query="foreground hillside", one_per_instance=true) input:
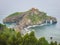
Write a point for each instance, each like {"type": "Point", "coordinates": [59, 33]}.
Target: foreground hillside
{"type": "Point", "coordinates": [30, 17]}
{"type": "Point", "coordinates": [11, 37]}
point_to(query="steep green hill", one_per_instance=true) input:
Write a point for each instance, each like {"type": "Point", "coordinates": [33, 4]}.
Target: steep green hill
{"type": "Point", "coordinates": [30, 17]}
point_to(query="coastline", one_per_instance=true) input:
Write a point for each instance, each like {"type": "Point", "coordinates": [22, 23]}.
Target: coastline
{"type": "Point", "coordinates": [27, 28]}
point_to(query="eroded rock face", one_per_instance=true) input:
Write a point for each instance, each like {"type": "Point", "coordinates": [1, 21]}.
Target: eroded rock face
{"type": "Point", "coordinates": [31, 17]}
{"type": "Point", "coordinates": [51, 20]}
{"type": "Point", "coordinates": [54, 20]}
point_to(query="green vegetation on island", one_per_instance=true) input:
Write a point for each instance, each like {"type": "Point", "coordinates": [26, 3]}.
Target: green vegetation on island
{"type": "Point", "coordinates": [36, 18]}
{"type": "Point", "coordinates": [30, 17]}
{"type": "Point", "coordinates": [15, 14]}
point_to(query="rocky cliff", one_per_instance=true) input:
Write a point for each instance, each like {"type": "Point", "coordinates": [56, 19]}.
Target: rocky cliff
{"type": "Point", "coordinates": [30, 17]}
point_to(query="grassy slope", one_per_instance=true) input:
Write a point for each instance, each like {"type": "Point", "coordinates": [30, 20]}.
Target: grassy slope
{"type": "Point", "coordinates": [15, 14]}
{"type": "Point", "coordinates": [36, 18]}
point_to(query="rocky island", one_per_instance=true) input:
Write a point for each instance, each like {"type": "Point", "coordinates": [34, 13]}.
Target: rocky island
{"type": "Point", "coordinates": [31, 17]}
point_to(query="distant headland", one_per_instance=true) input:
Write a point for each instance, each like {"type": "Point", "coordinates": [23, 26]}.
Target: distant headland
{"type": "Point", "coordinates": [31, 17]}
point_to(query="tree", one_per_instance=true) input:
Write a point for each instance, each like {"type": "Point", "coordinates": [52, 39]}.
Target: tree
{"type": "Point", "coordinates": [15, 39]}
{"type": "Point", "coordinates": [2, 27]}
{"type": "Point", "coordinates": [52, 43]}
{"type": "Point", "coordinates": [43, 41]}
{"type": "Point", "coordinates": [25, 40]}
{"type": "Point", "coordinates": [55, 43]}
{"type": "Point", "coordinates": [30, 39]}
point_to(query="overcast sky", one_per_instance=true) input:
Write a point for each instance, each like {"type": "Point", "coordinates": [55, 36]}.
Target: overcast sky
{"type": "Point", "coordinates": [10, 6]}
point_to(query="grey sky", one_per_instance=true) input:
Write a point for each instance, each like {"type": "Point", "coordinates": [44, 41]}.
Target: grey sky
{"type": "Point", "coordinates": [9, 6]}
